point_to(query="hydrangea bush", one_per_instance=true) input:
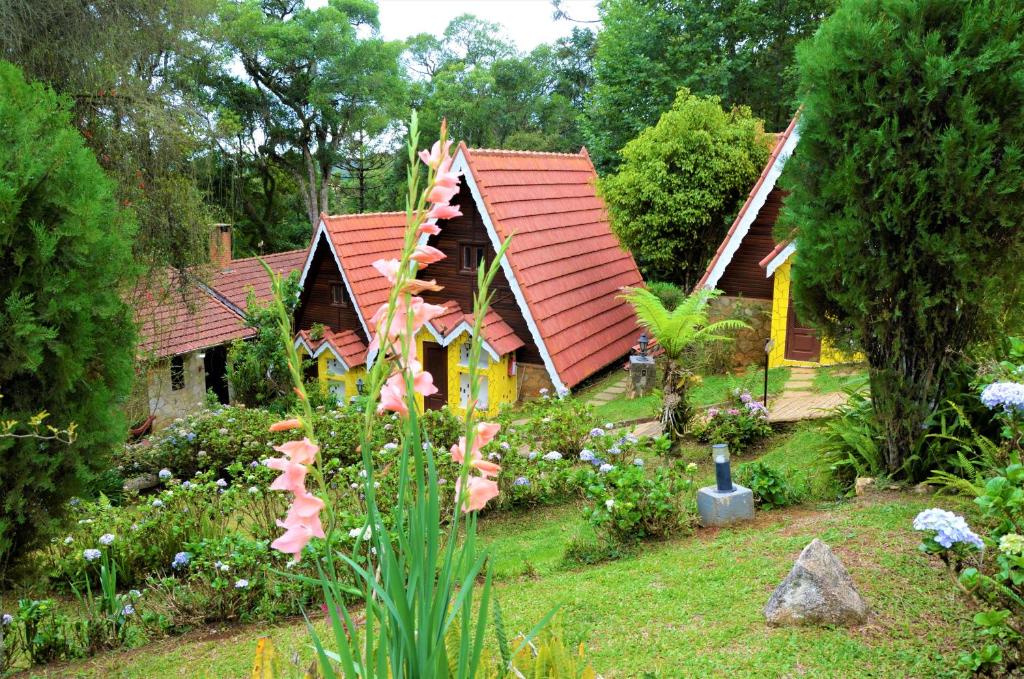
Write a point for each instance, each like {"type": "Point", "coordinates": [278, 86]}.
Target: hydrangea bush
{"type": "Point", "coordinates": [626, 504]}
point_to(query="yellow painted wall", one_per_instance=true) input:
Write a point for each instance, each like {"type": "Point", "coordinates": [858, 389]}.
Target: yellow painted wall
{"type": "Point", "coordinates": [780, 313]}
{"type": "Point", "coordinates": [501, 387]}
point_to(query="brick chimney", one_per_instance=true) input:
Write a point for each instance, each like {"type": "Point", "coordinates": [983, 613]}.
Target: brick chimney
{"type": "Point", "coordinates": [220, 246]}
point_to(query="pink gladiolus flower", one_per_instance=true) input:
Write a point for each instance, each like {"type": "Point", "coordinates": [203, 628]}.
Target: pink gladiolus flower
{"type": "Point", "coordinates": [485, 433]}
{"type": "Point", "coordinates": [443, 212]}
{"type": "Point", "coordinates": [388, 268]}
{"type": "Point", "coordinates": [302, 452]}
{"type": "Point", "coordinates": [442, 193]}
{"type": "Point", "coordinates": [430, 227]}
{"type": "Point", "coordinates": [437, 154]}
{"type": "Point", "coordinates": [480, 492]}
{"type": "Point", "coordinates": [422, 381]}
{"type": "Point", "coordinates": [297, 535]}
{"type": "Point", "coordinates": [306, 506]}
{"type": "Point", "coordinates": [446, 178]}
{"type": "Point", "coordinates": [486, 467]}
{"type": "Point", "coordinates": [392, 395]}
{"type": "Point", "coordinates": [425, 254]}
{"type": "Point", "coordinates": [293, 475]}
{"type": "Point", "coordinates": [285, 425]}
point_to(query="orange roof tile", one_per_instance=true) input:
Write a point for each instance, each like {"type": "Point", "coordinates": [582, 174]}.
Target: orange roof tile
{"type": "Point", "coordinates": [174, 319]}
{"type": "Point", "coordinates": [345, 344]}
{"type": "Point", "coordinates": [568, 264]}
{"type": "Point", "coordinates": [360, 240]}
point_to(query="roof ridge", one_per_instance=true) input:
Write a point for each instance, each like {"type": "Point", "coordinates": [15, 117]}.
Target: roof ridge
{"type": "Point", "coordinates": [366, 214]}
{"type": "Point", "coordinates": [263, 256]}
{"type": "Point", "coordinates": [560, 154]}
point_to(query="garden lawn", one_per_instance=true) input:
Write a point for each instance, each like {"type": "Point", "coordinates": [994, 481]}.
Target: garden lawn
{"type": "Point", "coordinates": [834, 378]}
{"type": "Point", "coordinates": [713, 390]}
{"type": "Point", "coordinates": [689, 606]}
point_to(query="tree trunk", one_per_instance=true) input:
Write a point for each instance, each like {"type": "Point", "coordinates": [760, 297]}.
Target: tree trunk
{"type": "Point", "coordinates": [676, 410]}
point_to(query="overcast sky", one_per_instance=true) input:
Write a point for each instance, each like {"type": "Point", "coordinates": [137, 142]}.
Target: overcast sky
{"type": "Point", "coordinates": [527, 22]}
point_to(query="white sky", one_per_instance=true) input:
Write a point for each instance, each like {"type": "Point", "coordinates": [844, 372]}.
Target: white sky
{"type": "Point", "coordinates": [527, 22]}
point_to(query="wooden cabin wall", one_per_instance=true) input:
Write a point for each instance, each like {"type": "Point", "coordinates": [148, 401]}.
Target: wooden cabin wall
{"type": "Point", "coordinates": [744, 275]}
{"type": "Point", "coordinates": [316, 306]}
{"type": "Point", "coordinates": [460, 286]}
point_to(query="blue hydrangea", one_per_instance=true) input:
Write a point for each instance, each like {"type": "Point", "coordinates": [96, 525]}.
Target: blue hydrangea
{"type": "Point", "coordinates": [605, 468]}
{"type": "Point", "coordinates": [1006, 395]}
{"type": "Point", "coordinates": [596, 431]}
{"type": "Point", "coordinates": [533, 455]}
{"type": "Point", "coordinates": [91, 554]}
{"type": "Point", "coordinates": [181, 560]}
{"type": "Point", "coordinates": [586, 455]}
{"type": "Point", "coordinates": [521, 481]}
{"type": "Point", "coordinates": [949, 528]}
{"type": "Point", "coordinates": [639, 461]}
{"type": "Point", "coordinates": [7, 619]}
{"type": "Point", "coordinates": [241, 583]}
{"type": "Point", "coordinates": [553, 455]}
{"type": "Point", "coordinates": [615, 450]}
{"type": "Point", "coordinates": [107, 539]}
{"type": "Point", "coordinates": [128, 610]}
{"type": "Point", "coordinates": [164, 474]}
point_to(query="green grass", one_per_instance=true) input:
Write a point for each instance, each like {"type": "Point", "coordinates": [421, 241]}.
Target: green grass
{"type": "Point", "coordinates": [689, 606]}
{"type": "Point", "coordinates": [712, 390]}
{"type": "Point", "coordinates": [837, 378]}
{"type": "Point", "coordinates": [715, 389]}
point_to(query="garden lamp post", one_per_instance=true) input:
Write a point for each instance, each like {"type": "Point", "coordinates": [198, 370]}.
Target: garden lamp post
{"type": "Point", "coordinates": [769, 344]}
{"type": "Point", "coordinates": [644, 341]}
{"type": "Point", "coordinates": [723, 474]}
{"type": "Point", "coordinates": [360, 386]}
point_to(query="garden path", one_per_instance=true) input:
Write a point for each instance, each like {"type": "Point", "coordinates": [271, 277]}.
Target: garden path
{"type": "Point", "coordinates": [798, 400]}
{"type": "Point", "coordinates": [615, 389]}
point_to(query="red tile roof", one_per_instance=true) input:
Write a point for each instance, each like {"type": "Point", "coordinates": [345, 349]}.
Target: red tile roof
{"type": "Point", "coordinates": [780, 142]}
{"type": "Point", "coordinates": [242, 275]}
{"type": "Point", "coordinates": [776, 251]}
{"type": "Point", "coordinates": [175, 319]}
{"type": "Point", "coordinates": [345, 344]}
{"type": "Point", "coordinates": [569, 265]}
{"type": "Point", "coordinates": [359, 240]}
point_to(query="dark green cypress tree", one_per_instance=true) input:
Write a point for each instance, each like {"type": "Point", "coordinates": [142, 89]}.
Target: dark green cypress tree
{"type": "Point", "coordinates": [67, 342]}
{"type": "Point", "coordinates": [908, 192]}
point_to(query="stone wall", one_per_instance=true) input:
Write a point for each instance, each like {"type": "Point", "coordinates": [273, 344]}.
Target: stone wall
{"type": "Point", "coordinates": [532, 378]}
{"type": "Point", "coordinates": [748, 346]}
{"type": "Point", "coordinates": [165, 403]}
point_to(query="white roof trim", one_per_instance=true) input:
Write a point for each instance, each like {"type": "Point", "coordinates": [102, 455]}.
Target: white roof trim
{"type": "Point", "coordinates": [464, 327]}
{"type": "Point", "coordinates": [756, 203]}
{"type": "Point", "coordinates": [325, 346]}
{"type": "Point", "coordinates": [779, 259]}
{"type": "Point", "coordinates": [461, 165]}
{"type": "Point", "coordinates": [299, 341]}
{"type": "Point", "coordinates": [322, 230]}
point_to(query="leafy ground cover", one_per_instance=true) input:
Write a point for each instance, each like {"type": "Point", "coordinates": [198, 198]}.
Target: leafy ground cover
{"type": "Point", "coordinates": [687, 606]}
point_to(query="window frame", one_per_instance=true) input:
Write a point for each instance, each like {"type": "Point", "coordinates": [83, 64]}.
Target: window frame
{"type": "Point", "coordinates": [478, 248]}
{"type": "Point", "coordinates": [341, 294]}
{"type": "Point", "coordinates": [177, 372]}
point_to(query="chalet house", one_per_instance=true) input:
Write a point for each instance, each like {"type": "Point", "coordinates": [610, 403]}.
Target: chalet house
{"type": "Point", "coordinates": [749, 267]}
{"type": "Point", "coordinates": [556, 317]}
{"type": "Point", "coordinates": [185, 331]}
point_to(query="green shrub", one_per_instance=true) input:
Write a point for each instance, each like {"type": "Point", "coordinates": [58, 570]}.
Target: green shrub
{"type": "Point", "coordinates": [741, 425]}
{"type": "Point", "coordinates": [552, 424]}
{"type": "Point", "coordinates": [67, 342]}
{"type": "Point", "coordinates": [770, 487]}
{"type": "Point", "coordinates": [628, 505]}
{"type": "Point", "coordinates": [670, 294]}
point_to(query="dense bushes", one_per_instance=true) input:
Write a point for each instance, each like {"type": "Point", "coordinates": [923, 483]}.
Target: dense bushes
{"type": "Point", "coordinates": [742, 424]}
{"type": "Point", "coordinates": [772, 490]}
{"type": "Point", "coordinates": [66, 337]}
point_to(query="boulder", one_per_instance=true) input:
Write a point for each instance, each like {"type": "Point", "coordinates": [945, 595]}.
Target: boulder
{"type": "Point", "coordinates": [140, 483]}
{"type": "Point", "coordinates": [862, 484]}
{"type": "Point", "coordinates": [818, 591]}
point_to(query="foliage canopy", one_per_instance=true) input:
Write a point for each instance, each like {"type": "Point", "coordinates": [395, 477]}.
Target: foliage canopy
{"type": "Point", "coordinates": [907, 191]}
{"type": "Point", "coordinates": [681, 184]}
{"type": "Point", "coordinates": [66, 337]}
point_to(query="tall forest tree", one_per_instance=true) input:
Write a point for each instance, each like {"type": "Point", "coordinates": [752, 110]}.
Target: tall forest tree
{"type": "Point", "coordinates": [682, 182]}
{"type": "Point", "coordinates": [907, 193]}
{"type": "Point", "coordinates": [322, 80]}
{"type": "Point", "coordinates": [132, 70]}
{"type": "Point", "coordinates": [738, 50]}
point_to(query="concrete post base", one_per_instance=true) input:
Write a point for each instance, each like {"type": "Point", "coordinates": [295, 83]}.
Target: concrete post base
{"type": "Point", "coordinates": [721, 509]}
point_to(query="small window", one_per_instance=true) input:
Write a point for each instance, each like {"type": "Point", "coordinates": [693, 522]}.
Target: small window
{"type": "Point", "coordinates": [473, 256]}
{"type": "Point", "coordinates": [337, 295]}
{"type": "Point", "coordinates": [177, 373]}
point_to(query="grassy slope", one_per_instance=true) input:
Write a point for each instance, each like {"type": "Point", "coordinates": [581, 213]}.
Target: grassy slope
{"type": "Point", "coordinates": [837, 378]}
{"type": "Point", "coordinates": [690, 606]}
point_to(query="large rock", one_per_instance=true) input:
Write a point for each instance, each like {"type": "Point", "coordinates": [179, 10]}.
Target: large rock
{"type": "Point", "coordinates": [818, 591]}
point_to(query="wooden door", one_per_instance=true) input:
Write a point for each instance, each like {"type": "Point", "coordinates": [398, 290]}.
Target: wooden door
{"type": "Point", "coordinates": [435, 362]}
{"type": "Point", "coordinates": [802, 343]}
